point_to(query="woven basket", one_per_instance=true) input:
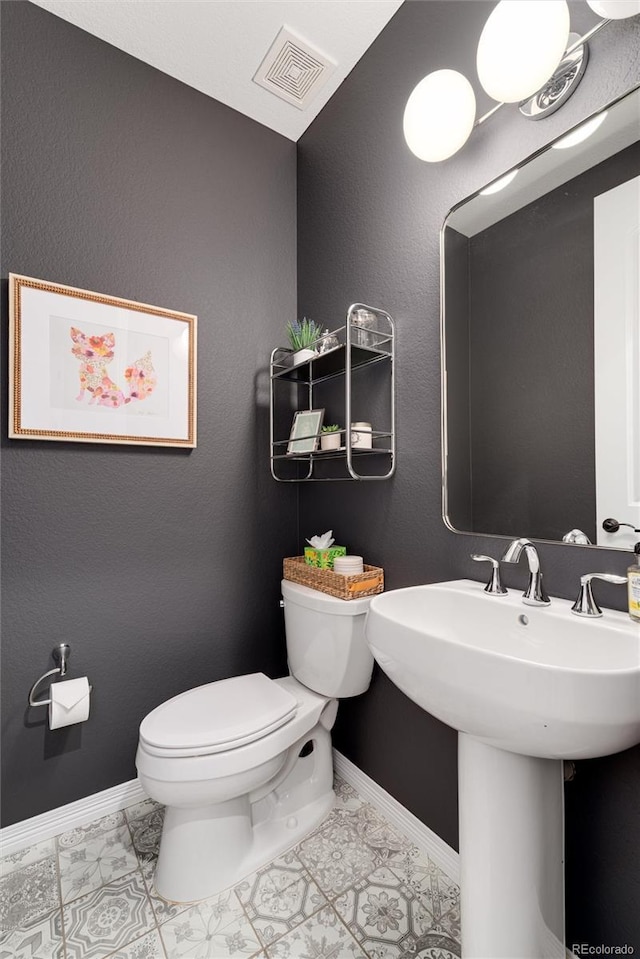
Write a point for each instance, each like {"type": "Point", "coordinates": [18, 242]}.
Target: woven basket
{"type": "Point", "coordinates": [368, 583]}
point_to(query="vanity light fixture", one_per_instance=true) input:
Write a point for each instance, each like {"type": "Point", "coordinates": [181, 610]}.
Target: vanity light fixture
{"type": "Point", "coordinates": [583, 132]}
{"type": "Point", "coordinates": [439, 115]}
{"type": "Point", "coordinates": [525, 54]}
{"type": "Point", "coordinates": [500, 184]}
{"type": "Point", "coordinates": [520, 46]}
{"type": "Point", "coordinates": [615, 9]}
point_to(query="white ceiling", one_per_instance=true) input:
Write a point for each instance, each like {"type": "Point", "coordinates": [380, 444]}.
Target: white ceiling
{"type": "Point", "coordinates": [216, 46]}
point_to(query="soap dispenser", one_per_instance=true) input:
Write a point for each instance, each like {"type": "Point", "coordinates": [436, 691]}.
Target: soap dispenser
{"type": "Point", "coordinates": [633, 574]}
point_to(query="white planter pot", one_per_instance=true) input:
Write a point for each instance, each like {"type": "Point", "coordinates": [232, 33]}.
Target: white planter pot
{"type": "Point", "coordinates": [302, 356]}
{"type": "Point", "coordinates": [331, 441]}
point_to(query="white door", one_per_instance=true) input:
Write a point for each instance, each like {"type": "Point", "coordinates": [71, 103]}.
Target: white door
{"type": "Point", "coordinates": [617, 360]}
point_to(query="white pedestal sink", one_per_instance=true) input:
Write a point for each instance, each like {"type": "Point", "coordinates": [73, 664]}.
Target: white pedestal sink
{"type": "Point", "coordinates": [525, 687]}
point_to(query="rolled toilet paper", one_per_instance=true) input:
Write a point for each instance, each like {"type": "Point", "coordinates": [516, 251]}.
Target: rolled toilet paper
{"type": "Point", "coordinates": [70, 701]}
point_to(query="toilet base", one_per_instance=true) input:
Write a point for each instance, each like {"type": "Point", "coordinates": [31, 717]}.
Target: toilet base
{"type": "Point", "coordinates": [206, 849]}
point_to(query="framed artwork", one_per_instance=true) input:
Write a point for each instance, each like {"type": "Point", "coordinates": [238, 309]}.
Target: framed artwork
{"type": "Point", "coordinates": [91, 368]}
{"type": "Point", "coordinates": [305, 432]}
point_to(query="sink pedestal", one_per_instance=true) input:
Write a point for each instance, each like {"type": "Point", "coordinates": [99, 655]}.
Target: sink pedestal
{"type": "Point", "coordinates": [511, 853]}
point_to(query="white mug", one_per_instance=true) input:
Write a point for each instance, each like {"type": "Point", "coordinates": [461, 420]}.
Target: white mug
{"type": "Point", "coordinates": [361, 436]}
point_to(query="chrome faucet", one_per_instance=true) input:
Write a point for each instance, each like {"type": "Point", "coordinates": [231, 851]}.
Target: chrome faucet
{"type": "Point", "coordinates": [585, 605]}
{"type": "Point", "coordinates": [534, 594]}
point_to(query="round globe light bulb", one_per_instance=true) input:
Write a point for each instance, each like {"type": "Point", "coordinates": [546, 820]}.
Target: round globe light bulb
{"type": "Point", "coordinates": [439, 115]}
{"type": "Point", "coordinates": [520, 46]}
{"type": "Point", "coordinates": [615, 9]}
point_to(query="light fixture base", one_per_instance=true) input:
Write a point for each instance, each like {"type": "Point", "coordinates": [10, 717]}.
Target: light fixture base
{"type": "Point", "coordinates": [561, 85]}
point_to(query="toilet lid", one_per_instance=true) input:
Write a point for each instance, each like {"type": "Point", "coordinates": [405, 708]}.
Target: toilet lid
{"type": "Point", "coordinates": [219, 716]}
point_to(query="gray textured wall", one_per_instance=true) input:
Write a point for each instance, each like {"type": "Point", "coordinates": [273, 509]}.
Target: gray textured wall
{"type": "Point", "coordinates": [160, 567]}
{"type": "Point", "coordinates": [369, 215]}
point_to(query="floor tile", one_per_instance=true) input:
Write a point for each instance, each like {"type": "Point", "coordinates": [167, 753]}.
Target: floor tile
{"type": "Point", "coordinates": [28, 894]}
{"type": "Point", "coordinates": [141, 809]}
{"type": "Point", "coordinates": [146, 833]}
{"type": "Point", "coordinates": [351, 843]}
{"type": "Point", "coordinates": [41, 940]}
{"type": "Point", "coordinates": [83, 833]}
{"type": "Point", "coordinates": [440, 894]}
{"type": "Point", "coordinates": [24, 857]}
{"type": "Point", "coordinates": [386, 844]}
{"type": "Point", "coordinates": [279, 897]}
{"type": "Point", "coordinates": [322, 936]}
{"type": "Point", "coordinates": [214, 929]}
{"type": "Point", "coordinates": [164, 909]}
{"type": "Point", "coordinates": [391, 922]}
{"type": "Point", "coordinates": [383, 914]}
{"type": "Point", "coordinates": [95, 862]}
{"type": "Point", "coordinates": [107, 919]}
{"type": "Point", "coordinates": [433, 946]}
{"type": "Point", "coordinates": [345, 807]}
{"type": "Point", "coordinates": [148, 947]}
{"type": "Point", "coordinates": [347, 798]}
{"type": "Point", "coordinates": [336, 857]}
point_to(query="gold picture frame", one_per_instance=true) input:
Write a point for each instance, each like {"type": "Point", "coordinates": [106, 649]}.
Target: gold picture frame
{"type": "Point", "coordinates": [90, 368]}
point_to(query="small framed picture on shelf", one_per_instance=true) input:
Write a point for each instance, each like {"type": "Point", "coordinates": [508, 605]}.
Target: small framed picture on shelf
{"type": "Point", "coordinates": [305, 432]}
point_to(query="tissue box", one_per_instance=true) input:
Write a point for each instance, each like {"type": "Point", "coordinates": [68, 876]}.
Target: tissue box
{"type": "Point", "coordinates": [323, 558]}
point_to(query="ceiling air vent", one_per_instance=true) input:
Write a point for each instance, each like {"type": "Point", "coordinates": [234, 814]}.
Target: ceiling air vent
{"type": "Point", "coordinates": [293, 70]}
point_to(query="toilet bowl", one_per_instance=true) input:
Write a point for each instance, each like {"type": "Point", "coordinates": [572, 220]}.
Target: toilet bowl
{"type": "Point", "coordinates": [244, 765]}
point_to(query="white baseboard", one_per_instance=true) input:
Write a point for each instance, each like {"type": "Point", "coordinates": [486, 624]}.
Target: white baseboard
{"type": "Point", "coordinates": [409, 825]}
{"type": "Point", "coordinates": [83, 811]}
{"type": "Point", "coordinates": [74, 814]}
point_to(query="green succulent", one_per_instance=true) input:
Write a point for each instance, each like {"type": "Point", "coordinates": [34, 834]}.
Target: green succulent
{"type": "Point", "coordinates": [303, 333]}
{"type": "Point", "coordinates": [332, 428]}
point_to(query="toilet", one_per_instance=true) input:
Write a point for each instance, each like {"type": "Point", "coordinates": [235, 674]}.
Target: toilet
{"type": "Point", "coordinates": [244, 765]}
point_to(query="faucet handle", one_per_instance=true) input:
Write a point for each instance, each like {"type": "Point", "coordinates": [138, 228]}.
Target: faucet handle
{"type": "Point", "coordinates": [494, 587]}
{"type": "Point", "coordinates": [585, 605]}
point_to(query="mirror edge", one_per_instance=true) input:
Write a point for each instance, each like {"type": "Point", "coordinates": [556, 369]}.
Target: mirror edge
{"type": "Point", "coordinates": [443, 356]}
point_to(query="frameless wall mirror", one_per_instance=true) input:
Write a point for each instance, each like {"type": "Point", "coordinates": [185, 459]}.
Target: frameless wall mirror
{"type": "Point", "coordinates": [541, 343]}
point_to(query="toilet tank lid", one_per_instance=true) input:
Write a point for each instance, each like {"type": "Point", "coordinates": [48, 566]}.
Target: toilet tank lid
{"type": "Point", "coordinates": [322, 602]}
{"type": "Point", "coordinates": [221, 715]}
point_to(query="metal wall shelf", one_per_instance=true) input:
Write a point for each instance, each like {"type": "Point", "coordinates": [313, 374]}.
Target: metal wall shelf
{"type": "Point", "coordinates": [294, 387]}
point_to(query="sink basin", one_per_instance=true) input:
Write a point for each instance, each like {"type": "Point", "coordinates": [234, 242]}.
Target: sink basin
{"type": "Point", "coordinates": [525, 687]}
{"type": "Point", "coordinates": [535, 681]}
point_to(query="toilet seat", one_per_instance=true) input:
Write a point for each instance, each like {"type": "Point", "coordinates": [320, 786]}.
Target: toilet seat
{"type": "Point", "coordinates": [218, 717]}
{"type": "Point", "coordinates": [176, 765]}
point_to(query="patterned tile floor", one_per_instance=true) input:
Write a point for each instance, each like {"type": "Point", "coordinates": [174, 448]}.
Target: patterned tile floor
{"type": "Point", "coordinates": [352, 889]}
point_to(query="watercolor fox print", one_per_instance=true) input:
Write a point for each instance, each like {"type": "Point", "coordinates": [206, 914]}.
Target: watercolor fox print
{"type": "Point", "coordinates": [95, 353]}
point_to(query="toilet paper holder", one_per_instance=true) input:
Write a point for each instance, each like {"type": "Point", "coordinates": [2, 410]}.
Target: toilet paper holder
{"type": "Point", "coordinates": [60, 655]}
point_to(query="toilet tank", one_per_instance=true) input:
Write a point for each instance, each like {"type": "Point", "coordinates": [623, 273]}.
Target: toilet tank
{"type": "Point", "coordinates": [326, 646]}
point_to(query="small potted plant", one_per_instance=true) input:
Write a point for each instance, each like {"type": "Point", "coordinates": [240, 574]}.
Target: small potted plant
{"type": "Point", "coordinates": [303, 335]}
{"type": "Point", "coordinates": [330, 437]}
